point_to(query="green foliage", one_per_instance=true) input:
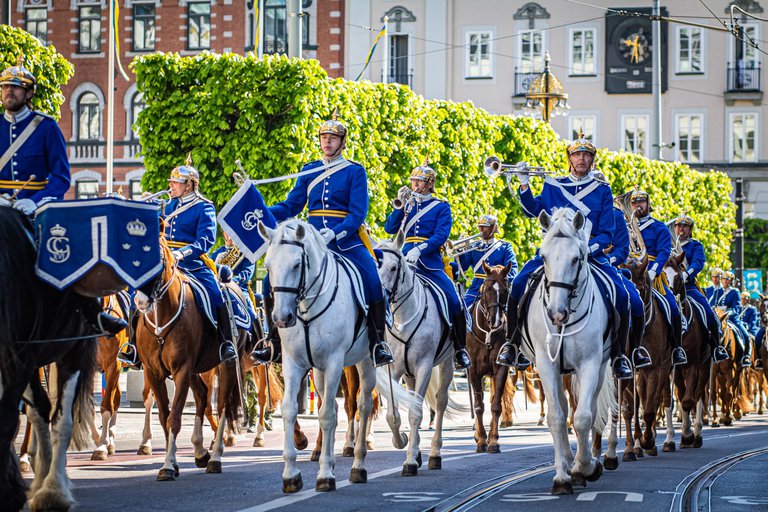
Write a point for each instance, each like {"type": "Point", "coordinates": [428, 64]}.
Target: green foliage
{"type": "Point", "coordinates": [755, 243]}
{"type": "Point", "coordinates": [266, 112]}
{"type": "Point", "coordinates": [51, 70]}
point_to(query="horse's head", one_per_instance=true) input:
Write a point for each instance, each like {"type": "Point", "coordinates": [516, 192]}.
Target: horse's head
{"type": "Point", "coordinates": [154, 290]}
{"type": "Point", "coordinates": [638, 268]}
{"type": "Point", "coordinates": [493, 294]}
{"type": "Point", "coordinates": [764, 309]}
{"type": "Point", "coordinates": [393, 271]}
{"type": "Point", "coordinates": [294, 260]}
{"type": "Point", "coordinates": [674, 272]}
{"type": "Point", "coordinates": [564, 254]}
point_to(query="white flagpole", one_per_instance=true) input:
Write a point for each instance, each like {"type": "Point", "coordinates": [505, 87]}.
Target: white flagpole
{"type": "Point", "coordinates": [111, 99]}
{"type": "Point", "coordinates": [386, 50]}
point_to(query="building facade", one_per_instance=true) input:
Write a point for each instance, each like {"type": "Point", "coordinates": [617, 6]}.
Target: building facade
{"type": "Point", "coordinates": [79, 31]}
{"type": "Point", "coordinates": [488, 52]}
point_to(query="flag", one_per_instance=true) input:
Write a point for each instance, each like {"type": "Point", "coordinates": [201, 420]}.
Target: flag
{"type": "Point", "coordinates": [116, 49]}
{"type": "Point", "coordinates": [240, 218]}
{"type": "Point", "coordinates": [381, 33]}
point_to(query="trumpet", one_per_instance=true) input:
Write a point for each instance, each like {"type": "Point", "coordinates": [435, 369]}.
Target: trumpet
{"type": "Point", "coordinates": [463, 245]}
{"type": "Point", "coordinates": [154, 196]}
{"type": "Point", "coordinates": [494, 168]}
{"type": "Point", "coordinates": [404, 196]}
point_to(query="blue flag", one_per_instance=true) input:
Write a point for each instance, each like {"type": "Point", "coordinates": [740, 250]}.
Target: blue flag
{"type": "Point", "coordinates": [240, 218]}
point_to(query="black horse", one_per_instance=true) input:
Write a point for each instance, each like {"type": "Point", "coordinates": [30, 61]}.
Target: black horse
{"type": "Point", "coordinates": [32, 312]}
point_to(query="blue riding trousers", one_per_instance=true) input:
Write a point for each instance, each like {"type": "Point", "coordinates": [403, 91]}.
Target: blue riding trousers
{"type": "Point", "coordinates": [635, 302]}
{"type": "Point", "coordinates": [443, 282]}
{"type": "Point", "coordinates": [713, 324]}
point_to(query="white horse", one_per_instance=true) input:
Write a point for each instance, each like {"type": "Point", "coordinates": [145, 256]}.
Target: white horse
{"type": "Point", "coordinates": [565, 326]}
{"type": "Point", "coordinates": [415, 339]}
{"type": "Point", "coordinates": [316, 313]}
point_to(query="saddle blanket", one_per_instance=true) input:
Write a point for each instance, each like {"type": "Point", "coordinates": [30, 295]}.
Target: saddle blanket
{"type": "Point", "coordinates": [742, 343]}
{"type": "Point", "coordinates": [240, 310]}
{"type": "Point", "coordinates": [73, 236]}
{"type": "Point", "coordinates": [440, 300]}
{"type": "Point", "coordinates": [661, 300]}
{"type": "Point", "coordinates": [355, 279]}
{"type": "Point", "coordinates": [700, 313]}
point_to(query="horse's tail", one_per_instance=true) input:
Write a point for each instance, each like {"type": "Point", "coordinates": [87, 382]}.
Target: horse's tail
{"type": "Point", "coordinates": [403, 397]}
{"type": "Point", "coordinates": [82, 408]}
{"type": "Point", "coordinates": [454, 409]}
{"type": "Point", "coordinates": [607, 405]}
{"type": "Point", "coordinates": [276, 388]}
{"type": "Point", "coordinates": [507, 401]}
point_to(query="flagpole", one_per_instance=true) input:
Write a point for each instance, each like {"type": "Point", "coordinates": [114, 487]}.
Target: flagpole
{"type": "Point", "coordinates": [111, 99]}
{"type": "Point", "coordinates": [386, 50]}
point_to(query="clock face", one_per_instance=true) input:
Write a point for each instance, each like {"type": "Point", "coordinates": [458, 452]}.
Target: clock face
{"type": "Point", "coordinates": [634, 47]}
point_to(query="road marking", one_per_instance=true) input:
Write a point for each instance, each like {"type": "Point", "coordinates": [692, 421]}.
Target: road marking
{"type": "Point", "coordinates": [633, 497]}
{"type": "Point", "coordinates": [412, 497]}
{"type": "Point", "coordinates": [528, 497]}
{"type": "Point", "coordinates": [745, 500]}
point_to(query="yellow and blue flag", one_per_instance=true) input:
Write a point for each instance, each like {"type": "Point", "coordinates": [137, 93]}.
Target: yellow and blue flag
{"type": "Point", "coordinates": [381, 33]}
{"type": "Point", "coordinates": [116, 49]}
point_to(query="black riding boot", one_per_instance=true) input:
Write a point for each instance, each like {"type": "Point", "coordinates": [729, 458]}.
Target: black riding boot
{"type": "Point", "coordinates": [227, 351]}
{"type": "Point", "coordinates": [380, 352]}
{"type": "Point", "coordinates": [130, 355]}
{"type": "Point", "coordinates": [459, 334]}
{"type": "Point", "coordinates": [94, 315]}
{"type": "Point", "coordinates": [746, 360]}
{"type": "Point", "coordinates": [718, 351]}
{"type": "Point", "coordinates": [640, 356]}
{"type": "Point", "coordinates": [270, 351]}
{"type": "Point", "coordinates": [676, 337]}
{"type": "Point", "coordinates": [510, 353]}
{"type": "Point", "coordinates": [620, 364]}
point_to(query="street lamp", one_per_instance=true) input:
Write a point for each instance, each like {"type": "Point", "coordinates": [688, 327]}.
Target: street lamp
{"type": "Point", "coordinates": [546, 93]}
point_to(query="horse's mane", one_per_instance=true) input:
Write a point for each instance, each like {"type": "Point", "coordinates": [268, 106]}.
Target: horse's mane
{"type": "Point", "coordinates": [292, 224]}
{"type": "Point", "coordinates": [561, 226]}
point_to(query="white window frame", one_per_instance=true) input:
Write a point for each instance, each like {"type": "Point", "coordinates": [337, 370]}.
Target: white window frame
{"type": "Point", "coordinates": [731, 116]}
{"type": "Point", "coordinates": [575, 121]}
{"type": "Point", "coordinates": [468, 33]}
{"type": "Point", "coordinates": [595, 47]}
{"type": "Point", "coordinates": [390, 35]}
{"type": "Point", "coordinates": [755, 53]}
{"type": "Point", "coordinates": [622, 124]}
{"type": "Point", "coordinates": [702, 50]}
{"type": "Point", "coordinates": [535, 67]}
{"type": "Point", "coordinates": [702, 134]}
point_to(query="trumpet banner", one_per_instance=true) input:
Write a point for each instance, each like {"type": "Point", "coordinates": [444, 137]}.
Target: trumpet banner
{"type": "Point", "coordinates": [266, 112]}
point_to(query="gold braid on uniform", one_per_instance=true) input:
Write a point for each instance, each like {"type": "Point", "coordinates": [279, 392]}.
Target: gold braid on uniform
{"type": "Point", "coordinates": [232, 258]}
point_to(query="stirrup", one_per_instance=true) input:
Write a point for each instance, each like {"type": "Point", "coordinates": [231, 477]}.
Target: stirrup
{"type": "Point", "coordinates": [258, 353]}
{"type": "Point", "coordinates": [684, 358]}
{"type": "Point", "coordinates": [723, 354]}
{"type": "Point", "coordinates": [223, 347]}
{"type": "Point", "coordinates": [626, 368]}
{"type": "Point", "coordinates": [641, 352]}
{"type": "Point", "coordinates": [746, 362]}
{"type": "Point", "coordinates": [387, 354]}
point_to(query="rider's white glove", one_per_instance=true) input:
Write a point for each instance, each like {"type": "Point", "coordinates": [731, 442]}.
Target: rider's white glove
{"type": "Point", "coordinates": [652, 274]}
{"type": "Point", "coordinates": [685, 276]}
{"type": "Point", "coordinates": [524, 178]}
{"type": "Point", "coordinates": [328, 235]}
{"type": "Point", "coordinates": [178, 255]}
{"type": "Point", "coordinates": [27, 206]}
{"type": "Point", "coordinates": [413, 255]}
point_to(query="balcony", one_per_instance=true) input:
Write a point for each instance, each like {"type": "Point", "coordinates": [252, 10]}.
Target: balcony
{"type": "Point", "coordinates": [88, 153]}
{"type": "Point", "coordinates": [523, 81]}
{"type": "Point", "coordinates": [743, 84]}
{"type": "Point", "coordinates": [400, 77]}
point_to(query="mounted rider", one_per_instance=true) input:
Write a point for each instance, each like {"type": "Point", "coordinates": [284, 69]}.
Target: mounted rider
{"type": "Point", "coordinates": [694, 262]}
{"type": "Point", "coordinates": [578, 190]}
{"type": "Point", "coordinates": [658, 242]}
{"type": "Point", "coordinates": [490, 251]}
{"type": "Point", "coordinates": [337, 197]}
{"type": "Point", "coordinates": [190, 231]}
{"type": "Point", "coordinates": [230, 256]}
{"type": "Point", "coordinates": [715, 290]}
{"type": "Point", "coordinates": [731, 301]}
{"type": "Point", "coordinates": [426, 222]}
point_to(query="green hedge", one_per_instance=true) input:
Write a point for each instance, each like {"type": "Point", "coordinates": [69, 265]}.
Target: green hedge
{"type": "Point", "coordinates": [51, 70]}
{"type": "Point", "coordinates": [266, 112]}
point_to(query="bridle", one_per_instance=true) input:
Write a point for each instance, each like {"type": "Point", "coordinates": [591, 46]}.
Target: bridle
{"type": "Point", "coordinates": [159, 289]}
{"type": "Point", "coordinates": [572, 287]}
{"type": "Point", "coordinates": [485, 309]}
{"type": "Point", "coordinates": [399, 279]}
{"type": "Point", "coordinates": [302, 290]}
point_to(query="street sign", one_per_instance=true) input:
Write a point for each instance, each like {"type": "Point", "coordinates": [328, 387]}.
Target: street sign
{"type": "Point", "coordinates": [753, 280]}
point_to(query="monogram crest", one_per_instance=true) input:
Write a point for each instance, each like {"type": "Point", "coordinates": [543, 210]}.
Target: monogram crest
{"type": "Point", "coordinates": [58, 244]}
{"type": "Point", "coordinates": [251, 219]}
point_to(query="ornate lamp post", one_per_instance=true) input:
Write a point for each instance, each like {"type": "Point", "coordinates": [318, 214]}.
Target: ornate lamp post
{"type": "Point", "coordinates": [546, 94]}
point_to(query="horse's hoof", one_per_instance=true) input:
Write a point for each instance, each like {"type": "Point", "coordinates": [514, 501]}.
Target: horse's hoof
{"type": "Point", "coordinates": [315, 456]}
{"type": "Point", "coordinates": [410, 470]}
{"type": "Point", "coordinates": [481, 448]}
{"type": "Point", "coordinates": [293, 484]}
{"type": "Point", "coordinates": [715, 424]}
{"type": "Point", "coordinates": [203, 461]}
{"type": "Point", "coordinates": [562, 488]}
{"type": "Point", "coordinates": [418, 459]}
{"type": "Point", "coordinates": [505, 424]}
{"type": "Point", "coordinates": [166, 475]}
{"type": "Point", "coordinates": [229, 442]}
{"type": "Point", "coordinates": [737, 415]}
{"type": "Point", "coordinates": [541, 422]}
{"type": "Point", "coordinates": [399, 442]}
{"type": "Point", "coordinates": [494, 448]}
{"type": "Point", "coordinates": [611, 463]}
{"type": "Point", "coordinates": [258, 443]}
{"type": "Point", "coordinates": [213, 466]}
{"type": "Point", "coordinates": [727, 422]}
{"type": "Point", "coordinates": [685, 442]}
{"type": "Point", "coordinates": [176, 470]}
{"type": "Point", "coordinates": [370, 445]}
{"type": "Point", "coordinates": [144, 450]}
{"type": "Point", "coordinates": [435, 462]}
{"type": "Point", "coordinates": [325, 484]}
{"type": "Point", "coordinates": [670, 446]}
{"type": "Point", "coordinates": [99, 455]}
{"type": "Point", "coordinates": [698, 442]}
{"type": "Point", "coordinates": [653, 452]}
{"type": "Point", "coordinates": [705, 421]}
{"type": "Point", "coordinates": [639, 453]}
{"type": "Point", "coordinates": [628, 457]}
{"type": "Point", "coordinates": [358, 476]}
{"type": "Point", "coordinates": [597, 473]}
{"type": "Point", "coordinates": [111, 449]}
{"type": "Point", "coordinates": [578, 479]}
{"type": "Point", "coordinates": [301, 443]}
{"type": "Point", "coordinates": [348, 451]}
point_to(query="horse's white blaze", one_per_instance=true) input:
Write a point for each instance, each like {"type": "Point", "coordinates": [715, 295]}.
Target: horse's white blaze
{"type": "Point", "coordinates": [499, 314]}
{"type": "Point", "coordinates": [671, 276]}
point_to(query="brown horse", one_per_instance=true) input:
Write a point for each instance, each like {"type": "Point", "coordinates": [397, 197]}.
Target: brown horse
{"type": "Point", "coordinates": [691, 379]}
{"type": "Point", "coordinates": [483, 345]}
{"type": "Point", "coordinates": [174, 340]}
{"type": "Point", "coordinates": [727, 376]}
{"type": "Point", "coordinates": [507, 400]}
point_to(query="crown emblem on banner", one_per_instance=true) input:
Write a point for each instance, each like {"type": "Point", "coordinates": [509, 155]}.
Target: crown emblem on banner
{"type": "Point", "coordinates": [58, 231]}
{"type": "Point", "coordinates": [136, 228]}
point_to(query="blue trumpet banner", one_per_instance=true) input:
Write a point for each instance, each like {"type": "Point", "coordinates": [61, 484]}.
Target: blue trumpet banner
{"type": "Point", "coordinates": [73, 236]}
{"type": "Point", "coordinates": [240, 219]}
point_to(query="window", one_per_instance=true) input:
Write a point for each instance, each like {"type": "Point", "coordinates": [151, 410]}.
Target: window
{"type": "Point", "coordinates": [479, 62]}
{"type": "Point", "coordinates": [635, 128]}
{"type": "Point", "coordinates": [746, 55]}
{"type": "Point", "coordinates": [137, 105]}
{"type": "Point", "coordinates": [743, 127]}
{"type": "Point", "coordinates": [135, 191]}
{"type": "Point", "coordinates": [689, 44]}
{"type": "Point", "coordinates": [581, 122]}
{"type": "Point", "coordinates": [275, 30]}
{"type": "Point", "coordinates": [199, 26]}
{"type": "Point", "coordinates": [531, 51]}
{"type": "Point", "coordinates": [583, 60]}
{"type": "Point", "coordinates": [88, 117]}
{"type": "Point", "coordinates": [37, 23]}
{"type": "Point", "coordinates": [86, 189]}
{"type": "Point", "coordinates": [688, 137]}
{"type": "Point", "coordinates": [398, 60]}
{"type": "Point", "coordinates": [90, 29]}
{"type": "Point", "coordinates": [143, 27]}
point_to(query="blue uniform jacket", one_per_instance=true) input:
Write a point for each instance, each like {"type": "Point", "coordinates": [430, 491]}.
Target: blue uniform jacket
{"type": "Point", "coordinates": [732, 302]}
{"type": "Point", "coordinates": [339, 202]}
{"type": "Point", "coordinates": [429, 233]}
{"type": "Point", "coordinates": [242, 272]}
{"type": "Point", "coordinates": [501, 255]}
{"type": "Point", "coordinates": [194, 227]}
{"type": "Point", "coordinates": [713, 293]}
{"type": "Point", "coordinates": [750, 317]}
{"type": "Point", "coordinates": [658, 242]}
{"type": "Point", "coordinates": [590, 196]}
{"type": "Point", "coordinates": [619, 249]}
{"type": "Point", "coordinates": [44, 154]}
{"type": "Point", "coordinates": [695, 259]}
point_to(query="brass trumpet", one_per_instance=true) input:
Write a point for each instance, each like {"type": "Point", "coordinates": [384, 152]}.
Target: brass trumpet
{"type": "Point", "coordinates": [494, 168]}
{"type": "Point", "coordinates": [155, 195]}
{"type": "Point", "coordinates": [404, 196]}
{"type": "Point", "coordinates": [463, 245]}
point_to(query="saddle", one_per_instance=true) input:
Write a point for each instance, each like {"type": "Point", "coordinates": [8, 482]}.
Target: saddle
{"type": "Point", "coordinates": [741, 343]}
{"type": "Point", "coordinates": [241, 315]}
{"type": "Point", "coordinates": [439, 296]}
